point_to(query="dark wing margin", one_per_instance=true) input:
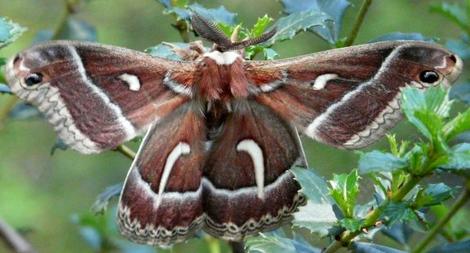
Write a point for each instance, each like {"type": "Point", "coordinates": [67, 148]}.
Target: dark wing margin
{"type": "Point", "coordinates": [347, 97]}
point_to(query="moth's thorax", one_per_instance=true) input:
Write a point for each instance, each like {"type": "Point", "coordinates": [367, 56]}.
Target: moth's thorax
{"type": "Point", "coordinates": [220, 76]}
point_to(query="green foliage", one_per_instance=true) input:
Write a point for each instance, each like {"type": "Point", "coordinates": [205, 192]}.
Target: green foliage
{"type": "Point", "coordinates": [287, 27]}
{"type": "Point", "coordinates": [398, 197]}
{"type": "Point", "coordinates": [459, 159]}
{"type": "Point", "coordinates": [318, 214]}
{"type": "Point", "coordinates": [9, 31]}
{"type": "Point", "coordinates": [334, 9]}
{"type": "Point", "coordinates": [457, 247]}
{"type": "Point", "coordinates": [365, 247]}
{"type": "Point", "coordinates": [457, 13]}
{"type": "Point", "coordinates": [433, 194]}
{"type": "Point", "coordinates": [181, 10]}
{"type": "Point", "coordinates": [277, 242]}
{"type": "Point", "coordinates": [376, 161]}
{"type": "Point", "coordinates": [344, 189]}
{"type": "Point", "coordinates": [102, 201]}
{"type": "Point", "coordinates": [426, 110]}
{"type": "Point", "coordinates": [351, 224]}
{"type": "Point", "coordinates": [100, 233]}
{"type": "Point", "coordinates": [397, 212]}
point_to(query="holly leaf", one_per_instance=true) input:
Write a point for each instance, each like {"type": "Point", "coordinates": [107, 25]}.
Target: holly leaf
{"type": "Point", "coordinates": [318, 215]}
{"type": "Point", "coordinates": [167, 50]}
{"type": "Point", "coordinates": [287, 27]}
{"type": "Point", "coordinates": [5, 89]}
{"type": "Point", "coordinates": [426, 110]}
{"type": "Point", "coordinates": [454, 12]}
{"type": "Point", "coordinates": [399, 232]}
{"type": "Point", "coordinates": [456, 247]}
{"type": "Point", "coordinates": [365, 247]}
{"type": "Point", "coordinates": [9, 31]}
{"type": "Point", "coordinates": [24, 111]}
{"type": "Point", "coordinates": [182, 11]}
{"type": "Point", "coordinates": [458, 125]}
{"type": "Point", "coordinates": [217, 15]}
{"type": "Point", "coordinates": [377, 161]}
{"type": "Point", "coordinates": [334, 9]}
{"type": "Point", "coordinates": [275, 243]}
{"type": "Point", "coordinates": [102, 201]}
{"type": "Point", "coordinates": [459, 159]}
{"type": "Point", "coordinates": [344, 189]}
{"type": "Point", "coordinates": [461, 91]}
{"type": "Point", "coordinates": [461, 46]}
{"type": "Point", "coordinates": [397, 212]}
{"type": "Point", "coordinates": [433, 194]}
{"type": "Point", "coordinates": [351, 224]}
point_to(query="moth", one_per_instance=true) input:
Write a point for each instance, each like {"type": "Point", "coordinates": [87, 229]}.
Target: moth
{"type": "Point", "coordinates": [221, 131]}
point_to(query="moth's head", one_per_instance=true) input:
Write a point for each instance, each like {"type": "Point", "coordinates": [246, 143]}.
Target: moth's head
{"type": "Point", "coordinates": [427, 64]}
{"type": "Point", "coordinates": [222, 43]}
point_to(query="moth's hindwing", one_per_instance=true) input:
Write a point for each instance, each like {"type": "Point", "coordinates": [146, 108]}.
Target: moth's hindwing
{"type": "Point", "coordinates": [162, 201]}
{"type": "Point", "coordinates": [237, 184]}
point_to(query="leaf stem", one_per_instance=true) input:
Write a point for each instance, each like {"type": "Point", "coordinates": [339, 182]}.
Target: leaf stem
{"type": "Point", "coordinates": [358, 23]}
{"type": "Point", "coordinates": [126, 151]}
{"type": "Point", "coordinates": [70, 8]}
{"type": "Point", "coordinates": [13, 239]}
{"type": "Point", "coordinates": [461, 200]}
{"type": "Point", "coordinates": [182, 28]}
{"type": "Point", "coordinates": [237, 247]}
{"type": "Point", "coordinates": [373, 216]}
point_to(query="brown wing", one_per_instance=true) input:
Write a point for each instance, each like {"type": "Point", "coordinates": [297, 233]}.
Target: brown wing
{"type": "Point", "coordinates": [98, 96]}
{"type": "Point", "coordinates": [248, 187]}
{"type": "Point", "coordinates": [348, 97]}
{"type": "Point", "coordinates": [161, 202]}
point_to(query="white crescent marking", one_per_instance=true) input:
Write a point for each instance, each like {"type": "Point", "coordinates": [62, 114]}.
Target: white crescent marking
{"type": "Point", "coordinates": [322, 80]}
{"type": "Point", "coordinates": [256, 154]}
{"type": "Point", "coordinates": [180, 149]}
{"type": "Point", "coordinates": [131, 80]}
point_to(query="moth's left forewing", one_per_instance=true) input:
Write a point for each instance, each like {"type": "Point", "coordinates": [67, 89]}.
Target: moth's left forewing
{"type": "Point", "coordinates": [349, 97]}
{"type": "Point", "coordinates": [98, 96]}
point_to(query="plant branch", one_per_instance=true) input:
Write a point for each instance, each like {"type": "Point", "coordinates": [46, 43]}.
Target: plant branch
{"type": "Point", "coordinates": [371, 219]}
{"type": "Point", "coordinates": [358, 23]}
{"type": "Point", "coordinates": [182, 28]}
{"type": "Point", "coordinates": [14, 240]}
{"type": "Point", "coordinates": [126, 151]}
{"type": "Point", "coordinates": [461, 200]}
{"type": "Point", "coordinates": [71, 7]}
{"type": "Point", "coordinates": [237, 246]}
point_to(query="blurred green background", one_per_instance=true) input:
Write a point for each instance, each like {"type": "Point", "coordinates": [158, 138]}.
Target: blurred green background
{"type": "Point", "coordinates": [39, 193]}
